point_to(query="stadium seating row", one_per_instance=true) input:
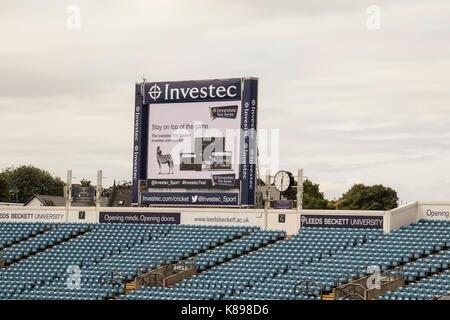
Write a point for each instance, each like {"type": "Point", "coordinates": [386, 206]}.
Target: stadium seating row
{"type": "Point", "coordinates": [71, 261]}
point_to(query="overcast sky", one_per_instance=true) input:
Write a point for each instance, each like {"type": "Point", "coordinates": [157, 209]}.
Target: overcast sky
{"type": "Point", "coordinates": [352, 104]}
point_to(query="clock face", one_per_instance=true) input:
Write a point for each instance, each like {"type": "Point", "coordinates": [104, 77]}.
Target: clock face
{"type": "Point", "coordinates": [282, 181]}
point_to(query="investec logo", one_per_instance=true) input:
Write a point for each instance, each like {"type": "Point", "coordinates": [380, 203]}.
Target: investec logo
{"type": "Point", "coordinates": [194, 93]}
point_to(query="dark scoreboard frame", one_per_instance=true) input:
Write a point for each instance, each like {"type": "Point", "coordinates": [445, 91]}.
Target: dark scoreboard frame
{"type": "Point", "coordinates": [246, 91]}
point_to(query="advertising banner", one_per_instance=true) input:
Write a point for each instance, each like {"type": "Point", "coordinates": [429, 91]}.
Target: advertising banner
{"type": "Point", "coordinates": [140, 217]}
{"type": "Point", "coordinates": [32, 216]}
{"type": "Point", "coordinates": [282, 204]}
{"type": "Point", "coordinates": [84, 193]}
{"type": "Point", "coordinates": [139, 143]}
{"type": "Point", "coordinates": [341, 221]}
{"type": "Point", "coordinates": [434, 212]}
{"type": "Point", "coordinates": [222, 219]}
{"type": "Point", "coordinates": [191, 198]}
{"type": "Point", "coordinates": [197, 135]}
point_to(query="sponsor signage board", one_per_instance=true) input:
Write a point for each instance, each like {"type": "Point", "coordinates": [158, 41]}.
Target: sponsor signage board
{"type": "Point", "coordinates": [341, 221]}
{"type": "Point", "coordinates": [435, 212]}
{"type": "Point", "coordinates": [222, 219]}
{"type": "Point", "coordinates": [140, 217]}
{"type": "Point", "coordinates": [196, 135]}
{"type": "Point", "coordinates": [282, 204]}
{"type": "Point", "coordinates": [190, 198]}
{"type": "Point", "coordinates": [83, 193]}
{"type": "Point", "coordinates": [32, 216]}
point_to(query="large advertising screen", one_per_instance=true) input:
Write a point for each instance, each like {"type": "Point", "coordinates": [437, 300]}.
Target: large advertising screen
{"type": "Point", "coordinates": [195, 142]}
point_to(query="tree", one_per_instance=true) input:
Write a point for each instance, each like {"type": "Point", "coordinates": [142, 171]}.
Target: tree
{"type": "Point", "coordinates": [312, 197]}
{"type": "Point", "coordinates": [260, 182]}
{"type": "Point", "coordinates": [85, 183]}
{"type": "Point", "coordinates": [4, 190]}
{"type": "Point", "coordinates": [26, 181]}
{"type": "Point", "coordinates": [361, 197]}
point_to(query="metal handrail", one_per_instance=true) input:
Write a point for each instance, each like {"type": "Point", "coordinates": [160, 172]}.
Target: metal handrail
{"type": "Point", "coordinates": [184, 263]}
{"type": "Point", "coordinates": [140, 268]}
{"type": "Point", "coordinates": [307, 290]}
{"type": "Point", "coordinates": [111, 280]}
{"type": "Point", "coordinates": [441, 296]}
{"type": "Point", "coordinates": [386, 272]}
{"type": "Point", "coordinates": [354, 285]}
{"type": "Point", "coordinates": [346, 275]}
{"type": "Point", "coordinates": [153, 276]}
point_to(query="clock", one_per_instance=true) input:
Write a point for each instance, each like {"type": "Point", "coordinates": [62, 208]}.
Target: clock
{"type": "Point", "coordinates": [283, 181]}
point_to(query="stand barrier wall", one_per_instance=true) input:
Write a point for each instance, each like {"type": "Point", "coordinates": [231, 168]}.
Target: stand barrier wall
{"type": "Point", "coordinates": [287, 220]}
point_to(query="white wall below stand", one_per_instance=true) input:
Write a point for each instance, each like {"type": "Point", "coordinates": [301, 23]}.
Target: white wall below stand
{"type": "Point", "coordinates": [403, 216]}
{"type": "Point", "coordinates": [32, 214]}
{"type": "Point", "coordinates": [287, 220]}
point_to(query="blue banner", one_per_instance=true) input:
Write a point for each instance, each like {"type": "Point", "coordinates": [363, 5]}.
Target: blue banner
{"type": "Point", "coordinates": [140, 217]}
{"type": "Point", "coordinates": [340, 221]}
{"type": "Point", "coordinates": [139, 143]}
{"type": "Point", "coordinates": [83, 193]}
{"type": "Point", "coordinates": [282, 204]}
{"type": "Point", "coordinates": [190, 198]}
{"type": "Point", "coordinates": [248, 152]}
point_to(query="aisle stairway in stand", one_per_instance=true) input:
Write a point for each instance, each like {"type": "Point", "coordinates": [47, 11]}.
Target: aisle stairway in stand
{"type": "Point", "coordinates": [329, 296]}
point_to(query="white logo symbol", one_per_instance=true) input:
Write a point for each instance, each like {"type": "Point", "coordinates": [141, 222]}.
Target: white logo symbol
{"type": "Point", "coordinates": [138, 109]}
{"type": "Point", "coordinates": [136, 148]}
{"type": "Point", "coordinates": [253, 102]}
{"type": "Point", "coordinates": [154, 92]}
{"type": "Point", "coordinates": [74, 278]}
{"type": "Point", "coordinates": [303, 220]}
{"type": "Point", "coordinates": [194, 198]}
{"type": "Point", "coordinates": [246, 104]}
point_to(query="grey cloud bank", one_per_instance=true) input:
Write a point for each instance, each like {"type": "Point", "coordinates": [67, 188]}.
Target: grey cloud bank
{"type": "Point", "coordinates": [352, 104]}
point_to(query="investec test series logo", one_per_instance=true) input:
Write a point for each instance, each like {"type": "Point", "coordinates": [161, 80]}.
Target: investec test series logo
{"type": "Point", "coordinates": [226, 89]}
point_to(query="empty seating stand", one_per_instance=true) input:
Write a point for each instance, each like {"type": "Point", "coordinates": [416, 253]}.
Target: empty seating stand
{"type": "Point", "coordinates": [102, 261]}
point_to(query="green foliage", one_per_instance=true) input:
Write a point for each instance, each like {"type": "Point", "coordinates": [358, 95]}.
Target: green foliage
{"type": "Point", "coordinates": [261, 182]}
{"type": "Point", "coordinates": [312, 197]}
{"type": "Point", "coordinates": [85, 183]}
{"type": "Point", "coordinates": [26, 181]}
{"type": "Point", "coordinates": [361, 197]}
{"type": "Point", "coordinates": [49, 203]}
{"type": "Point", "coordinates": [4, 190]}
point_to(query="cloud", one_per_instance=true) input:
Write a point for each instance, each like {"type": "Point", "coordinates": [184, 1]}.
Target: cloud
{"type": "Point", "coordinates": [351, 104]}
